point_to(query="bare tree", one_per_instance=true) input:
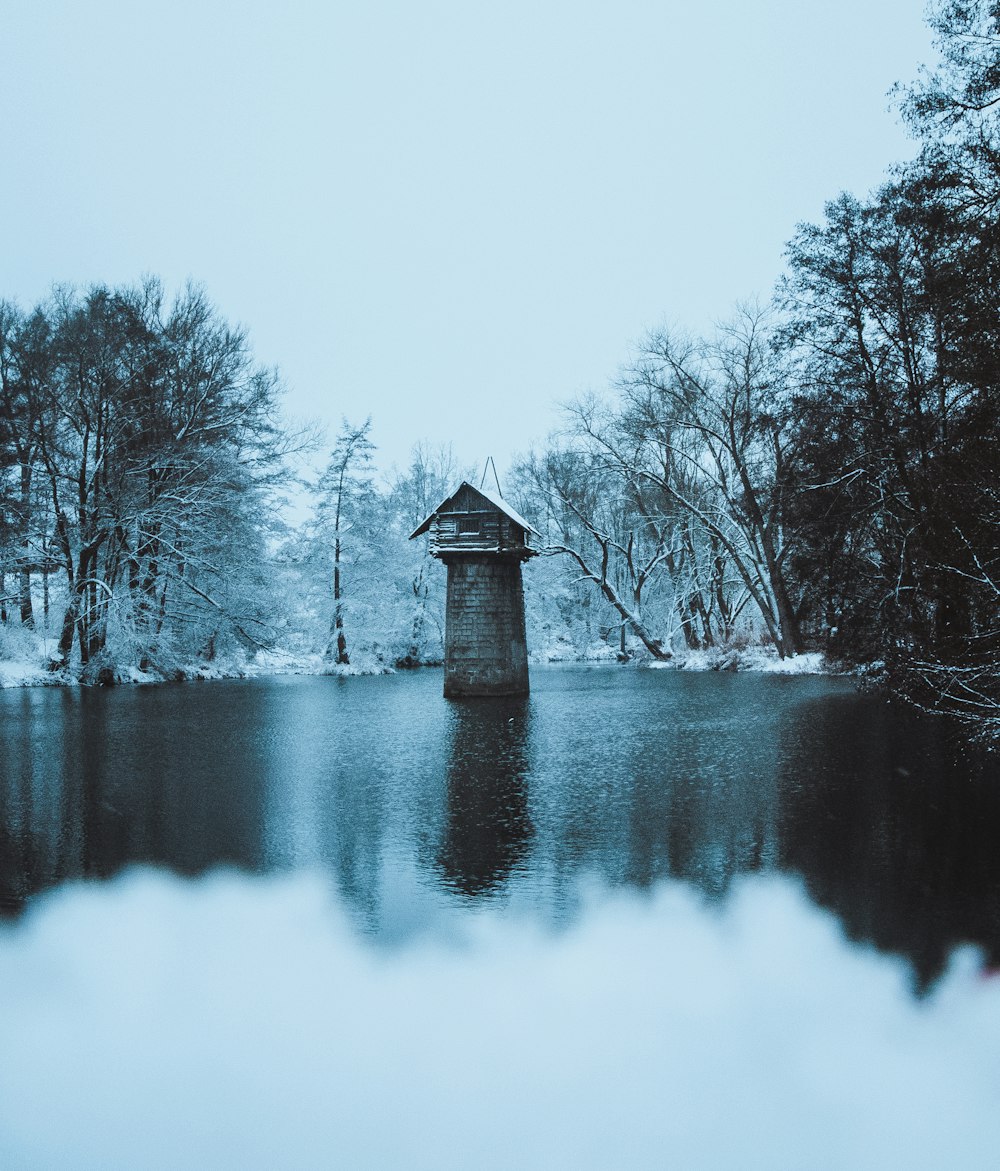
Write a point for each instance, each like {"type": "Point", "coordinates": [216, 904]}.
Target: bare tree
{"type": "Point", "coordinates": [345, 483]}
{"type": "Point", "coordinates": [25, 359]}
{"type": "Point", "coordinates": [702, 422]}
{"type": "Point", "coordinates": [153, 435]}
{"type": "Point", "coordinates": [432, 474]}
{"type": "Point", "coordinates": [615, 545]}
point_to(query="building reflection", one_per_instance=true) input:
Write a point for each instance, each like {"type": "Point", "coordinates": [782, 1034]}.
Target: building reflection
{"type": "Point", "coordinates": [487, 829]}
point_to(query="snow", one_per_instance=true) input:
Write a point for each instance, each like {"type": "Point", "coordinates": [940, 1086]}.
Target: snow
{"type": "Point", "coordinates": [811, 663]}
{"type": "Point", "coordinates": [754, 658]}
{"type": "Point", "coordinates": [29, 672]}
{"type": "Point", "coordinates": [233, 1022]}
{"type": "Point", "coordinates": [493, 497]}
{"type": "Point", "coordinates": [561, 650]}
{"type": "Point", "coordinates": [504, 505]}
{"type": "Point", "coordinates": [24, 658]}
{"type": "Point", "coordinates": [22, 673]}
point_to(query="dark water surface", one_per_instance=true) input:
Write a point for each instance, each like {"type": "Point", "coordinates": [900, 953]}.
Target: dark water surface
{"type": "Point", "coordinates": [414, 802]}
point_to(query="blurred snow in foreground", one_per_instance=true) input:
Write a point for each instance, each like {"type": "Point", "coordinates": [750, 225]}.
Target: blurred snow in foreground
{"type": "Point", "coordinates": [242, 1023]}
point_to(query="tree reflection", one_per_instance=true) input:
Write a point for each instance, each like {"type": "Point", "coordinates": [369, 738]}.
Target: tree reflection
{"type": "Point", "coordinates": [94, 780]}
{"type": "Point", "coordinates": [487, 828]}
{"type": "Point", "coordinates": [895, 832]}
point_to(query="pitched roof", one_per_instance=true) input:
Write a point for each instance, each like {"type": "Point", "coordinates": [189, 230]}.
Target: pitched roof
{"type": "Point", "coordinates": [490, 497]}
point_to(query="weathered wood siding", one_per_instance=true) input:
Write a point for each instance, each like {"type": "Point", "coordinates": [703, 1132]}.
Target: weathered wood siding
{"type": "Point", "coordinates": [485, 651]}
{"type": "Point", "coordinates": [466, 523]}
{"type": "Point", "coordinates": [485, 647]}
{"type": "Point", "coordinates": [483, 530]}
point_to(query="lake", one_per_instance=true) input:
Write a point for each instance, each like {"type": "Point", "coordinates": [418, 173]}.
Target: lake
{"type": "Point", "coordinates": [603, 778]}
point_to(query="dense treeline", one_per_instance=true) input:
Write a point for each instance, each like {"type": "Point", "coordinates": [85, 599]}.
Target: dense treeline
{"type": "Point", "coordinates": [138, 441]}
{"type": "Point", "coordinates": [359, 593]}
{"type": "Point", "coordinates": [821, 473]}
{"type": "Point", "coordinates": [894, 307]}
{"type": "Point", "coordinates": [828, 468]}
{"type": "Point", "coordinates": [142, 459]}
{"type": "Point", "coordinates": [672, 496]}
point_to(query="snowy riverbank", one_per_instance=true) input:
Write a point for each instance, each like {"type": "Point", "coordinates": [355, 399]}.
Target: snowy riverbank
{"type": "Point", "coordinates": [26, 674]}
{"type": "Point", "coordinates": [31, 666]}
{"type": "Point", "coordinates": [755, 658]}
{"type": "Point", "coordinates": [26, 660]}
{"type": "Point", "coordinates": [742, 658]}
{"type": "Point", "coordinates": [33, 671]}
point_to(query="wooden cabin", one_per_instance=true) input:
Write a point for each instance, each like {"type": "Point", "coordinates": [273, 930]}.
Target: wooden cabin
{"type": "Point", "coordinates": [483, 541]}
{"type": "Point", "coordinates": [475, 520]}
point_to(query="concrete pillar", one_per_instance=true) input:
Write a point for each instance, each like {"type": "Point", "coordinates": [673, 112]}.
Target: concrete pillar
{"type": "Point", "coordinates": [485, 650]}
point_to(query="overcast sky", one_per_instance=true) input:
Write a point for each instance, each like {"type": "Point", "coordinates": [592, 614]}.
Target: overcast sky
{"type": "Point", "coordinates": [449, 215]}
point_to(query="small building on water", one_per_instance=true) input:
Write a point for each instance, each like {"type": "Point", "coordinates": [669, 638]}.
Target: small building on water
{"type": "Point", "coordinates": [483, 541]}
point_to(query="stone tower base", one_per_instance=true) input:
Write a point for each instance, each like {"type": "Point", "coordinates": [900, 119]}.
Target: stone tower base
{"type": "Point", "coordinates": [485, 650]}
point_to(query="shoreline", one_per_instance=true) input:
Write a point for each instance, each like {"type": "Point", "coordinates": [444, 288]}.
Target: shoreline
{"type": "Point", "coordinates": [19, 674]}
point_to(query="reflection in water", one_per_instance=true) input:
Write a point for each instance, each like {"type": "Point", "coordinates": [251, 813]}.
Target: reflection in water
{"type": "Point", "coordinates": [657, 778]}
{"type": "Point", "coordinates": [96, 780]}
{"type": "Point", "coordinates": [897, 833]}
{"type": "Point", "coordinates": [487, 828]}
{"type": "Point", "coordinates": [411, 802]}
{"type": "Point", "coordinates": [715, 816]}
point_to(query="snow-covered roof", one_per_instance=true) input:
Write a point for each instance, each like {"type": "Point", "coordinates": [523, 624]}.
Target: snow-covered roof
{"type": "Point", "coordinates": [490, 497]}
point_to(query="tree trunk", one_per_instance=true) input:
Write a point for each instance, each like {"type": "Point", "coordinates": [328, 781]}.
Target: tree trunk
{"type": "Point", "coordinates": [687, 626]}
{"type": "Point", "coordinates": [67, 632]}
{"type": "Point", "coordinates": [337, 646]}
{"type": "Point", "coordinates": [419, 617]}
{"type": "Point", "coordinates": [24, 576]}
{"type": "Point", "coordinates": [790, 643]}
{"type": "Point", "coordinates": [719, 591]}
{"type": "Point", "coordinates": [24, 598]}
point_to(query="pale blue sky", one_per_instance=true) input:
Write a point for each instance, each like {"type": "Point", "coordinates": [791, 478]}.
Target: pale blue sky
{"type": "Point", "coordinates": [450, 215]}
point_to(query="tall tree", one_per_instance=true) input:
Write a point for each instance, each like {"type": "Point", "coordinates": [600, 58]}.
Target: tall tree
{"type": "Point", "coordinates": [344, 488]}
{"type": "Point", "coordinates": [592, 516]}
{"type": "Point", "coordinates": [895, 316]}
{"type": "Point", "coordinates": [431, 475]}
{"type": "Point", "coordinates": [143, 435]}
{"type": "Point", "coordinates": [704, 425]}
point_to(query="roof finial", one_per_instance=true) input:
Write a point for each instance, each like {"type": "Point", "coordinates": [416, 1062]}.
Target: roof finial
{"type": "Point", "coordinates": [486, 468]}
